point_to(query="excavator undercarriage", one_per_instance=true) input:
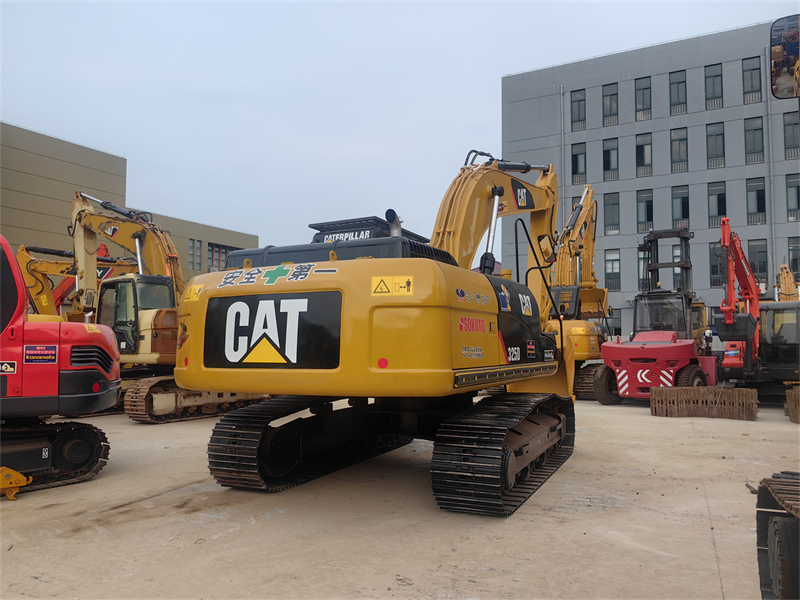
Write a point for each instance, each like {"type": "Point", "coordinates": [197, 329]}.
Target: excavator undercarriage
{"type": "Point", "coordinates": [489, 456]}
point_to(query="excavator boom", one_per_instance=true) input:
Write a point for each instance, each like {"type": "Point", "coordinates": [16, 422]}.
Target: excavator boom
{"type": "Point", "coordinates": [152, 246]}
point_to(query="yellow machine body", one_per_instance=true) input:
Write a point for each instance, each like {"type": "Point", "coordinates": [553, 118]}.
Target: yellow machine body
{"type": "Point", "coordinates": [410, 327]}
{"type": "Point", "coordinates": [430, 341]}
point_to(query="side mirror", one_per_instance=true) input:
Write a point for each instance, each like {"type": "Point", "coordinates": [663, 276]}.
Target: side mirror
{"type": "Point", "coordinates": [784, 63]}
{"type": "Point", "coordinates": [546, 247]}
{"type": "Point", "coordinates": [610, 312]}
{"type": "Point", "coordinates": [630, 337]}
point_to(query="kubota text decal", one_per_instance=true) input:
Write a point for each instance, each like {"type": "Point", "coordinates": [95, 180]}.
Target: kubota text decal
{"type": "Point", "coordinates": [282, 331]}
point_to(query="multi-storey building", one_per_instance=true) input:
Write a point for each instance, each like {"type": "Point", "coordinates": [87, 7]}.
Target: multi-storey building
{"type": "Point", "coordinates": [677, 135]}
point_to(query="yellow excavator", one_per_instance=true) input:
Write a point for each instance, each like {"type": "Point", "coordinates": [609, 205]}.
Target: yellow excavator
{"type": "Point", "coordinates": [581, 304]}
{"type": "Point", "coordinates": [373, 342]}
{"type": "Point", "coordinates": [139, 306]}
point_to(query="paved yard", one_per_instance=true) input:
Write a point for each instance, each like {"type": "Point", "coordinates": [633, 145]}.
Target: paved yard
{"type": "Point", "coordinates": [647, 507]}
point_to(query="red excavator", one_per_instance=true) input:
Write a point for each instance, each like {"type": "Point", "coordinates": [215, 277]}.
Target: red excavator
{"type": "Point", "coordinates": [49, 367]}
{"type": "Point", "coordinates": [763, 337]}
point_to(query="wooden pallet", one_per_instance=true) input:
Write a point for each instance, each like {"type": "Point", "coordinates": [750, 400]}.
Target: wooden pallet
{"type": "Point", "coordinates": [793, 404]}
{"type": "Point", "coordinates": [712, 402]}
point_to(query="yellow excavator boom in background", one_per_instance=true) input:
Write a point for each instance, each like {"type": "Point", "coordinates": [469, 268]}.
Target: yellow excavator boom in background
{"type": "Point", "coordinates": [132, 230]}
{"type": "Point", "coordinates": [786, 284]}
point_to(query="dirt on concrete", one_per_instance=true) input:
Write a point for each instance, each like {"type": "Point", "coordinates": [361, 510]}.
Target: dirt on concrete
{"type": "Point", "coordinates": [646, 507]}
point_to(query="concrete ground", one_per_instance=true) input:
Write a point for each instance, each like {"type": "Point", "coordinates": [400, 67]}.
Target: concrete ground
{"type": "Point", "coordinates": [647, 507]}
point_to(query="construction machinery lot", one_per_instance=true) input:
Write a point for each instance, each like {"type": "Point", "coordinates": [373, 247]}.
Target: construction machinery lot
{"type": "Point", "coordinates": [646, 507]}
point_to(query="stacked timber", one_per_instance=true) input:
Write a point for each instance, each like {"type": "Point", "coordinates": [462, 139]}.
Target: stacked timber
{"type": "Point", "coordinates": [793, 404]}
{"type": "Point", "coordinates": [712, 402]}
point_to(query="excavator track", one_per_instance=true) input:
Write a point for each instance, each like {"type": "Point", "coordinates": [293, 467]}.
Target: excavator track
{"type": "Point", "coordinates": [237, 447]}
{"type": "Point", "coordinates": [138, 404]}
{"type": "Point", "coordinates": [583, 386]}
{"type": "Point", "coordinates": [467, 464]}
{"type": "Point", "coordinates": [56, 434]}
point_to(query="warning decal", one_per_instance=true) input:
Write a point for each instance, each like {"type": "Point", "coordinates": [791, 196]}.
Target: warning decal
{"type": "Point", "coordinates": [393, 286]}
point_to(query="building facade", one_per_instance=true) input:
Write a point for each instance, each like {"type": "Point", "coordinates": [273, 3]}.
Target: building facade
{"type": "Point", "coordinates": [39, 176]}
{"type": "Point", "coordinates": [669, 136]}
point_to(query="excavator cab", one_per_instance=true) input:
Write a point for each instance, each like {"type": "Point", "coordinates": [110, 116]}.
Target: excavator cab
{"type": "Point", "coordinates": [123, 299]}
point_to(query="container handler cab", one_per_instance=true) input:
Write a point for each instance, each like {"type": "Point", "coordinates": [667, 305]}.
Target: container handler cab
{"type": "Point", "coordinates": [49, 367]}
{"type": "Point", "coordinates": [663, 349]}
{"type": "Point", "coordinates": [763, 349]}
{"type": "Point", "coordinates": [373, 342]}
{"type": "Point", "coordinates": [579, 302]}
{"type": "Point", "coordinates": [141, 308]}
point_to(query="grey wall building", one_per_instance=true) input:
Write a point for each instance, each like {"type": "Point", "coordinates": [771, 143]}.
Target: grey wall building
{"type": "Point", "coordinates": [673, 135]}
{"type": "Point", "coordinates": [39, 176]}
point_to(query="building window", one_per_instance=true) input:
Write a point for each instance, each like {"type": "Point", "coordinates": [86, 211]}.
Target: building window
{"type": "Point", "coordinates": [643, 276]}
{"type": "Point", "coordinates": [677, 93]}
{"type": "Point", "coordinates": [611, 213]}
{"type": "Point", "coordinates": [610, 109]}
{"type": "Point", "coordinates": [791, 135]}
{"type": "Point", "coordinates": [195, 252]}
{"type": "Point", "coordinates": [756, 202]}
{"type": "Point", "coordinates": [757, 257]}
{"type": "Point", "coordinates": [676, 271]}
{"type": "Point", "coordinates": [679, 150]}
{"type": "Point", "coordinates": [715, 145]}
{"type": "Point", "coordinates": [218, 256]}
{"type": "Point", "coordinates": [612, 270]}
{"type": "Point", "coordinates": [751, 75]}
{"type": "Point", "coordinates": [610, 160]}
{"type": "Point", "coordinates": [643, 112]}
{"type": "Point", "coordinates": [680, 207]}
{"type": "Point", "coordinates": [644, 155]}
{"type": "Point", "coordinates": [644, 211]}
{"type": "Point", "coordinates": [717, 205]}
{"type": "Point", "coordinates": [578, 164]}
{"type": "Point", "coordinates": [198, 251]}
{"type": "Point", "coordinates": [715, 265]}
{"type": "Point", "coordinates": [793, 197]}
{"type": "Point", "coordinates": [579, 110]}
{"type": "Point", "coordinates": [794, 256]}
{"type": "Point", "coordinates": [713, 87]}
{"type": "Point", "coordinates": [753, 141]}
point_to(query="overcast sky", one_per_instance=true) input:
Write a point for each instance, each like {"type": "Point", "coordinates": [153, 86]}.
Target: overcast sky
{"type": "Point", "coordinates": [265, 117]}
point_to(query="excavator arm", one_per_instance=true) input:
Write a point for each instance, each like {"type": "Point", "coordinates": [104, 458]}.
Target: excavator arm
{"type": "Point", "coordinates": [575, 262]}
{"type": "Point", "coordinates": [134, 231]}
{"type": "Point", "coordinates": [46, 294]}
{"type": "Point", "coordinates": [787, 286]}
{"type": "Point", "coordinates": [739, 327]}
{"type": "Point", "coordinates": [479, 195]}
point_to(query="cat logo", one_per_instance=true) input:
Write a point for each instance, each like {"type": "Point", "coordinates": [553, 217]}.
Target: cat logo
{"type": "Point", "coordinates": [263, 343]}
{"type": "Point", "coordinates": [522, 196]}
{"type": "Point", "coordinates": [273, 331]}
{"type": "Point", "coordinates": [111, 231]}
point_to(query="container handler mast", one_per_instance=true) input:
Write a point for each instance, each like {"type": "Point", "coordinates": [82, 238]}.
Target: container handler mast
{"type": "Point", "coordinates": [663, 349]}
{"type": "Point", "coordinates": [763, 349]}
{"type": "Point", "coordinates": [405, 335]}
{"type": "Point", "coordinates": [142, 311]}
{"type": "Point", "coordinates": [574, 279]}
{"type": "Point", "coordinates": [49, 367]}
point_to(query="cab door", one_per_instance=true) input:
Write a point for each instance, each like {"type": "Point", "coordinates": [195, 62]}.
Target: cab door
{"type": "Point", "coordinates": [118, 309]}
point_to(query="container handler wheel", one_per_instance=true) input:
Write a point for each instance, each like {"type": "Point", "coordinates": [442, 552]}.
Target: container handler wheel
{"type": "Point", "coordinates": [605, 386]}
{"type": "Point", "coordinates": [782, 553]}
{"type": "Point", "coordinates": [691, 376]}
